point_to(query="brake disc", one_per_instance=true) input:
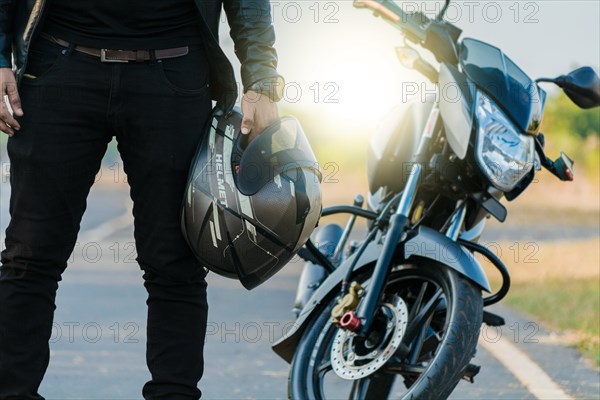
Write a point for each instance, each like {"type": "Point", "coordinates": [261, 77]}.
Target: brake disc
{"type": "Point", "coordinates": [348, 364]}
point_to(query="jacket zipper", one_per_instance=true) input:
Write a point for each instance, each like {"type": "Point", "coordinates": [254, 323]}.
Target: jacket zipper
{"type": "Point", "coordinates": [31, 34]}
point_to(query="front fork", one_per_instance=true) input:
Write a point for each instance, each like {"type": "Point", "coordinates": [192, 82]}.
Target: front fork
{"type": "Point", "coordinates": [398, 223]}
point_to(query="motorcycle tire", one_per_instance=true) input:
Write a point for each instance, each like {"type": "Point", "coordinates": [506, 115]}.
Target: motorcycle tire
{"type": "Point", "coordinates": [459, 317]}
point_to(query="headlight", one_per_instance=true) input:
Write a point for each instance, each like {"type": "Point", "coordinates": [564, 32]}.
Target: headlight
{"type": "Point", "coordinates": [503, 153]}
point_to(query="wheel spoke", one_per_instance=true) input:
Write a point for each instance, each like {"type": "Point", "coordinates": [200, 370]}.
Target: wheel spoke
{"type": "Point", "coordinates": [403, 369]}
{"type": "Point", "coordinates": [417, 305]}
{"type": "Point", "coordinates": [380, 386]}
{"type": "Point", "coordinates": [324, 368]}
{"type": "Point", "coordinates": [430, 344]}
{"type": "Point", "coordinates": [414, 325]}
{"type": "Point", "coordinates": [418, 343]}
{"type": "Point", "coordinates": [359, 389]}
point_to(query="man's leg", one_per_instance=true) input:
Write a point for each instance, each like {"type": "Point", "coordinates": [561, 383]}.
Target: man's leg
{"type": "Point", "coordinates": [54, 159]}
{"type": "Point", "coordinates": [160, 127]}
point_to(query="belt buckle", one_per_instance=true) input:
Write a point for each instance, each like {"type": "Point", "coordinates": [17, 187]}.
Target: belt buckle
{"type": "Point", "coordinates": [110, 60]}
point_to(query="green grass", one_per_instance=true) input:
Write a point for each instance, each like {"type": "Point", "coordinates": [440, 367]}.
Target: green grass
{"type": "Point", "coordinates": [568, 306]}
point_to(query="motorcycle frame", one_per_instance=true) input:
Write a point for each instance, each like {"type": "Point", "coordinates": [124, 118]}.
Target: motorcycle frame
{"type": "Point", "coordinates": [398, 243]}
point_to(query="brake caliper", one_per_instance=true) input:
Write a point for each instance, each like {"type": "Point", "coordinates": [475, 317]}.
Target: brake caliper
{"type": "Point", "coordinates": [347, 303]}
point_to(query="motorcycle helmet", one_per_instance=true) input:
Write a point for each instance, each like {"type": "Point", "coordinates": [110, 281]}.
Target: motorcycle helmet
{"type": "Point", "coordinates": [248, 208]}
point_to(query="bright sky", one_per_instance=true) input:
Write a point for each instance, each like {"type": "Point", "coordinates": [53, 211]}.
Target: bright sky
{"type": "Point", "coordinates": [340, 61]}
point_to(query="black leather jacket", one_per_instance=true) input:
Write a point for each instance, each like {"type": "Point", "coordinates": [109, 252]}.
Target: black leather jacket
{"type": "Point", "coordinates": [249, 20]}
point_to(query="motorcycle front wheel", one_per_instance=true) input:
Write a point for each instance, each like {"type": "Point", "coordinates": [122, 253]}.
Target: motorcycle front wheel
{"type": "Point", "coordinates": [429, 367]}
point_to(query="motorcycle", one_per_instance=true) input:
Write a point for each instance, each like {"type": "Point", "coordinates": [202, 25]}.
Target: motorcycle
{"type": "Point", "coordinates": [400, 312]}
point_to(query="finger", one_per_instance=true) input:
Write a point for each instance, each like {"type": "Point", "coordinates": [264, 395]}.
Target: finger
{"type": "Point", "coordinates": [264, 115]}
{"type": "Point", "coordinates": [248, 122]}
{"type": "Point", "coordinates": [7, 117]}
{"type": "Point", "coordinates": [14, 98]}
{"type": "Point", "coordinates": [6, 129]}
{"type": "Point", "coordinates": [259, 125]}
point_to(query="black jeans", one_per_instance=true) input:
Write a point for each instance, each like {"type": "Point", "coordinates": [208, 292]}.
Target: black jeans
{"type": "Point", "coordinates": [73, 105]}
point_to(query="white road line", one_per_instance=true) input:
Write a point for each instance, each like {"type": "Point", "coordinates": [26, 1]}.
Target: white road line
{"type": "Point", "coordinates": [109, 227]}
{"type": "Point", "coordinates": [525, 370]}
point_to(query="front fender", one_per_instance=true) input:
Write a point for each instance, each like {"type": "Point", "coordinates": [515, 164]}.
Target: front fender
{"type": "Point", "coordinates": [286, 346]}
{"type": "Point", "coordinates": [423, 242]}
{"type": "Point", "coordinates": [429, 243]}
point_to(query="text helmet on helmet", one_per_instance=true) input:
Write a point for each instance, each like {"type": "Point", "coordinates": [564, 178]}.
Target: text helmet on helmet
{"type": "Point", "coordinates": [247, 211]}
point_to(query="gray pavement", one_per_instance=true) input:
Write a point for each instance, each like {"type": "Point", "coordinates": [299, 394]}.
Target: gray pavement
{"type": "Point", "coordinates": [98, 339]}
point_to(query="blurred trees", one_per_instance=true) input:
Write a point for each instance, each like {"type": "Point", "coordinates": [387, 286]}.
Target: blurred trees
{"type": "Point", "coordinates": [574, 131]}
{"type": "Point", "coordinates": [563, 116]}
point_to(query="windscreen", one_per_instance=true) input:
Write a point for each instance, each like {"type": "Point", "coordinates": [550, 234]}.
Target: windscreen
{"type": "Point", "coordinates": [501, 79]}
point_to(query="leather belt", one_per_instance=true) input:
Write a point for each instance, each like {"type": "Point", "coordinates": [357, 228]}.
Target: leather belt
{"type": "Point", "coordinates": [121, 56]}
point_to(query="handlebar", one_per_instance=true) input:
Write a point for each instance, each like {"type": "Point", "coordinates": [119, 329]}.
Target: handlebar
{"type": "Point", "coordinates": [438, 36]}
{"type": "Point", "coordinates": [414, 26]}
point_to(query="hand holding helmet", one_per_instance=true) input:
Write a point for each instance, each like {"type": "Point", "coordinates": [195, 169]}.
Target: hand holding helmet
{"type": "Point", "coordinates": [258, 111]}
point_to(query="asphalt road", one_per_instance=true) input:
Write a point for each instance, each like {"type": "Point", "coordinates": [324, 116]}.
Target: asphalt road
{"type": "Point", "coordinates": [98, 340]}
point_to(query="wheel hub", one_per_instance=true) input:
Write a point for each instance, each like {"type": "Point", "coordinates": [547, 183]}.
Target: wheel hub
{"type": "Point", "coordinates": [350, 364]}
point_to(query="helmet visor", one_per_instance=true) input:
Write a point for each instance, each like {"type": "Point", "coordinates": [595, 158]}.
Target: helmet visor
{"type": "Point", "coordinates": [282, 148]}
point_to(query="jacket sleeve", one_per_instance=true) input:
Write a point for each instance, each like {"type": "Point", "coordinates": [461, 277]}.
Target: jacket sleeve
{"type": "Point", "coordinates": [7, 8]}
{"type": "Point", "coordinates": [252, 31]}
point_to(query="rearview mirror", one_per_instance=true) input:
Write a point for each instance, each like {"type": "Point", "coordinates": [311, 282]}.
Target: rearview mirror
{"type": "Point", "coordinates": [582, 86]}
